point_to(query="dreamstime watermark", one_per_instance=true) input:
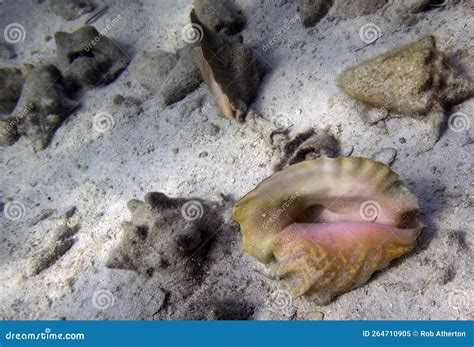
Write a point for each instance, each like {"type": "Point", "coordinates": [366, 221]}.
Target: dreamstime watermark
{"type": "Point", "coordinates": [103, 299]}
{"type": "Point", "coordinates": [44, 335]}
{"type": "Point", "coordinates": [14, 210]}
{"type": "Point", "coordinates": [459, 122]}
{"type": "Point", "coordinates": [369, 210]}
{"type": "Point", "coordinates": [369, 33]}
{"type": "Point", "coordinates": [13, 123]}
{"type": "Point", "coordinates": [99, 37]}
{"type": "Point", "coordinates": [192, 33]}
{"type": "Point", "coordinates": [459, 299]}
{"type": "Point", "coordinates": [284, 206]}
{"type": "Point", "coordinates": [281, 122]}
{"type": "Point", "coordinates": [14, 33]}
{"type": "Point", "coordinates": [287, 26]}
{"type": "Point", "coordinates": [206, 109]}
{"type": "Point", "coordinates": [103, 122]}
{"type": "Point", "coordinates": [454, 37]}
{"type": "Point", "coordinates": [192, 210]}
{"type": "Point", "coordinates": [281, 302]}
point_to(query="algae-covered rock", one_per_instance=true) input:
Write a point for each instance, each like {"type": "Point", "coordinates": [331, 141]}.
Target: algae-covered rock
{"type": "Point", "coordinates": [183, 78]}
{"type": "Point", "coordinates": [344, 9]}
{"type": "Point", "coordinates": [43, 105]}
{"type": "Point", "coordinates": [308, 145]}
{"type": "Point", "coordinates": [220, 15]}
{"type": "Point", "coordinates": [170, 76]}
{"type": "Point", "coordinates": [72, 9]}
{"type": "Point", "coordinates": [89, 58]}
{"type": "Point", "coordinates": [407, 80]}
{"type": "Point", "coordinates": [168, 238]}
{"type": "Point", "coordinates": [11, 82]}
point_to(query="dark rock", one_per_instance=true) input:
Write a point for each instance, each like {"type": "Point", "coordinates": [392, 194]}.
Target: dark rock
{"type": "Point", "coordinates": [182, 79]}
{"type": "Point", "coordinates": [308, 145]}
{"type": "Point", "coordinates": [220, 309]}
{"type": "Point", "coordinates": [42, 107]}
{"type": "Point", "coordinates": [72, 9]}
{"type": "Point", "coordinates": [88, 58]}
{"type": "Point", "coordinates": [7, 51]}
{"type": "Point", "coordinates": [168, 238]}
{"type": "Point", "coordinates": [220, 16]}
{"type": "Point", "coordinates": [344, 9]}
{"type": "Point", "coordinates": [169, 76]}
{"type": "Point", "coordinates": [313, 11]}
{"type": "Point", "coordinates": [11, 83]}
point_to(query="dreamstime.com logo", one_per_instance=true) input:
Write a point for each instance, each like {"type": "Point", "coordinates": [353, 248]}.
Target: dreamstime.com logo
{"type": "Point", "coordinates": [45, 335]}
{"type": "Point", "coordinates": [192, 210]}
{"type": "Point", "coordinates": [459, 300]}
{"type": "Point", "coordinates": [286, 204]}
{"type": "Point", "coordinates": [14, 33]}
{"type": "Point", "coordinates": [459, 122]}
{"type": "Point", "coordinates": [102, 122]}
{"type": "Point", "coordinates": [192, 33]}
{"type": "Point", "coordinates": [99, 37]}
{"type": "Point", "coordinates": [369, 33]}
{"type": "Point", "coordinates": [369, 210]}
{"type": "Point", "coordinates": [281, 304]}
{"type": "Point", "coordinates": [24, 112]}
{"type": "Point", "coordinates": [14, 210]}
{"type": "Point", "coordinates": [287, 26]}
{"type": "Point", "coordinates": [103, 299]}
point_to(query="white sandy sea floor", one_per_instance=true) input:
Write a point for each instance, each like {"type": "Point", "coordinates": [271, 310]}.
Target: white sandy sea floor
{"type": "Point", "coordinates": [156, 148]}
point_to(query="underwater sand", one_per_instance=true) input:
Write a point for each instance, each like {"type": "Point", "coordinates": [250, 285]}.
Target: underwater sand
{"type": "Point", "coordinates": [156, 148]}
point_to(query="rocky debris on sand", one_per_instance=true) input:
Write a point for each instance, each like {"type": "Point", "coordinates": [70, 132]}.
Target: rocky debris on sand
{"type": "Point", "coordinates": [307, 145]}
{"type": "Point", "coordinates": [72, 9]}
{"type": "Point", "coordinates": [417, 6]}
{"type": "Point", "coordinates": [230, 70]}
{"type": "Point", "coordinates": [316, 315]}
{"type": "Point", "coordinates": [7, 51]}
{"type": "Point", "coordinates": [44, 214]}
{"type": "Point", "coordinates": [169, 76]}
{"type": "Point", "coordinates": [420, 133]}
{"type": "Point", "coordinates": [408, 80]}
{"type": "Point", "coordinates": [43, 105]}
{"type": "Point", "coordinates": [11, 83]}
{"type": "Point", "coordinates": [220, 309]}
{"type": "Point", "coordinates": [61, 242]}
{"type": "Point", "coordinates": [220, 16]}
{"type": "Point", "coordinates": [88, 58]}
{"type": "Point", "coordinates": [313, 11]}
{"type": "Point", "coordinates": [385, 155]}
{"type": "Point", "coordinates": [168, 238]}
{"type": "Point", "coordinates": [344, 9]}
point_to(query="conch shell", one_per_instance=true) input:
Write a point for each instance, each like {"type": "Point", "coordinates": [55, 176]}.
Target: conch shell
{"type": "Point", "coordinates": [409, 80]}
{"type": "Point", "coordinates": [230, 70]}
{"type": "Point", "coordinates": [327, 225]}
